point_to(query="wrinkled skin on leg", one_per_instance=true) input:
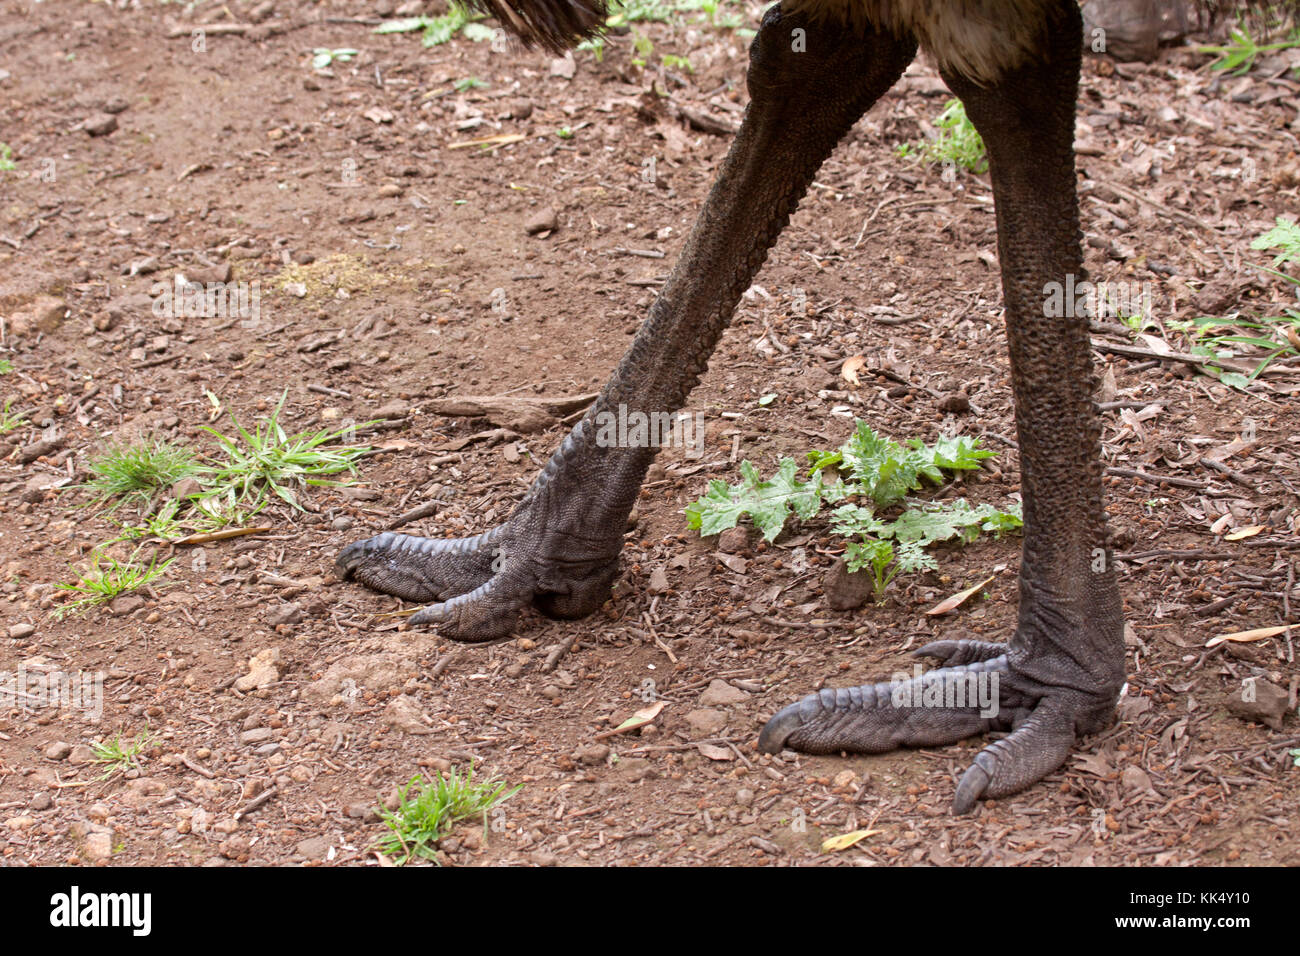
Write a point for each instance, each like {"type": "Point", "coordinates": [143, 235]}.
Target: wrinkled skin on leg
{"type": "Point", "coordinates": [1060, 674]}
{"type": "Point", "coordinates": [559, 549]}
{"type": "Point", "coordinates": [1064, 665]}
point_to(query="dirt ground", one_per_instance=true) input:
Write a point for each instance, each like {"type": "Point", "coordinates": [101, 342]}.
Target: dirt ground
{"type": "Point", "coordinates": [395, 269]}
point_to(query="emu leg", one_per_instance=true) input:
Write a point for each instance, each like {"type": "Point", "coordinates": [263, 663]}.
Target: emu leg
{"type": "Point", "coordinates": [559, 549]}
{"type": "Point", "coordinates": [1064, 665]}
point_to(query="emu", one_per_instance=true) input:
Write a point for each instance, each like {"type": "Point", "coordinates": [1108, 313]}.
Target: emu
{"type": "Point", "coordinates": [816, 66]}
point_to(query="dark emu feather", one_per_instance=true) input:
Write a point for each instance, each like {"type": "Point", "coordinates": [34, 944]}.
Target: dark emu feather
{"type": "Point", "coordinates": [554, 25]}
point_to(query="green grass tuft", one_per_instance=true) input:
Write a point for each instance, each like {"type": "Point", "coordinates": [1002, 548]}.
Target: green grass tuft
{"type": "Point", "coordinates": [119, 755]}
{"type": "Point", "coordinates": [428, 811]}
{"type": "Point", "coordinates": [1240, 52]}
{"type": "Point", "coordinates": [10, 420]}
{"type": "Point", "coordinates": [266, 460]}
{"type": "Point", "coordinates": [1260, 339]}
{"type": "Point", "coordinates": [108, 577]}
{"type": "Point", "coordinates": [139, 471]}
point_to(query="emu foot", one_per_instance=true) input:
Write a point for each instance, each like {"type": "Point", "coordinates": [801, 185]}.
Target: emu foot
{"type": "Point", "coordinates": [975, 692]}
{"type": "Point", "coordinates": [480, 584]}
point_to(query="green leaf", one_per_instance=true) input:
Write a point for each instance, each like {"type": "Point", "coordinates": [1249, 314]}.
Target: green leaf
{"type": "Point", "coordinates": [715, 512]}
{"type": "Point", "coordinates": [957, 454]}
{"type": "Point", "coordinates": [935, 522]}
{"type": "Point", "coordinates": [768, 503]}
{"type": "Point", "coordinates": [856, 521]}
{"type": "Point", "coordinates": [910, 556]}
{"type": "Point", "coordinates": [478, 32]}
{"type": "Point", "coordinates": [881, 466]}
{"type": "Point", "coordinates": [1234, 380]}
{"type": "Point", "coordinates": [1284, 235]}
{"type": "Point", "coordinates": [872, 553]}
{"type": "Point", "coordinates": [1000, 522]}
{"type": "Point", "coordinates": [824, 459]}
{"type": "Point", "coordinates": [881, 472]}
{"type": "Point", "coordinates": [406, 25]}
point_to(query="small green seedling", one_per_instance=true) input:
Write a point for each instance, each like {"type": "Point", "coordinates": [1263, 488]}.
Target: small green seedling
{"type": "Point", "coordinates": [1285, 235]}
{"type": "Point", "coordinates": [10, 420]}
{"type": "Point", "coordinates": [1218, 338]}
{"type": "Point", "coordinates": [642, 46]}
{"type": "Point", "coordinates": [108, 577]}
{"type": "Point", "coordinates": [439, 30]}
{"type": "Point", "coordinates": [163, 525]}
{"type": "Point", "coordinates": [595, 45]}
{"type": "Point", "coordinates": [956, 141]}
{"type": "Point", "coordinates": [221, 509]}
{"type": "Point", "coordinates": [120, 755]}
{"type": "Point", "coordinates": [6, 158]}
{"type": "Point", "coordinates": [1240, 52]}
{"type": "Point", "coordinates": [428, 811]}
{"type": "Point", "coordinates": [323, 57]}
{"type": "Point", "coordinates": [623, 15]}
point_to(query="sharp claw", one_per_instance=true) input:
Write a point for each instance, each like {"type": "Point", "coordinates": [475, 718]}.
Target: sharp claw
{"type": "Point", "coordinates": [864, 719]}
{"type": "Point", "coordinates": [784, 723]}
{"type": "Point", "coordinates": [973, 783]}
{"type": "Point", "coordinates": [1038, 746]}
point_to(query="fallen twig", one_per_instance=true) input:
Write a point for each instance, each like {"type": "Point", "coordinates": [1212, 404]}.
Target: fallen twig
{"type": "Point", "coordinates": [1157, 479]}
{"type": "Point", "coordinates": [257, 801]}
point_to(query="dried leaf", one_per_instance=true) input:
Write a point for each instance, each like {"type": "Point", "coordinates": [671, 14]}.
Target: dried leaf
{"type": "Point", "coordinates": [1239, 533]}
{"type": "Point", "coordinates": [642, 717]}
{"type": "Point", "coordinates": [956, 600]}
{"type": "Point", "coordinates": [1257, 634]}
{"type": "Point", "coordinates": [714, 752]}
{"type": "Point", "coordinates": [1237, 446]}
{"type": "Point", "coordinates": [503, 139]}
{"type": "Point", "coordinates": [849, 370]}
{"type": "Point", "coordinates": [1155, 344]}
{"type": "Point", "coordinates": [845, 840]}
{"type": "Point", "coordinates": [1109, 388]}
{"type": "Point", "coordinates": [1095, 764]}
{"type": "Point", "coordinates": [734, 562]}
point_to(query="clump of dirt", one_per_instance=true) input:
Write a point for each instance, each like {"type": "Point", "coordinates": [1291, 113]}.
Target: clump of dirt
{"type": "Point", "coordinates": [344, 274]}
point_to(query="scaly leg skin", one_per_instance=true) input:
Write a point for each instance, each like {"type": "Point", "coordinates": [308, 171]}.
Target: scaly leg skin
{"type": "Point", "coordinates": [559, 549]}
{"type": "Point", "coordinates": [1064, 665]}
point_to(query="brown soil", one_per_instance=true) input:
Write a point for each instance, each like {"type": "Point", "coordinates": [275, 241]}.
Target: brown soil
{"type": "Point", "coordinates": [378, 248]}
